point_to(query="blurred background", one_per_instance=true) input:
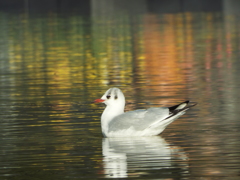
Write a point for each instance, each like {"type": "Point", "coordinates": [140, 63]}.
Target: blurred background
{"type": "Point", "coordinates": [57, 56]}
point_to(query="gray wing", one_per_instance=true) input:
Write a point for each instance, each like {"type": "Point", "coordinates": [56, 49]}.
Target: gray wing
{"type": "Point", "coordinates": [139, 119]}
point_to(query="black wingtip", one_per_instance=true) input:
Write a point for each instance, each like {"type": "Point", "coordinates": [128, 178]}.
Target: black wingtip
{"type": "Point", "coordinates": [178, 108]}
{"type": "Point", "coordinates": [175, 109]}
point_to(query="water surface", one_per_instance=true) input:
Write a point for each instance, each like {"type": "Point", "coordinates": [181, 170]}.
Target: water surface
{"type": "Point", "coordinates": [52, 66]}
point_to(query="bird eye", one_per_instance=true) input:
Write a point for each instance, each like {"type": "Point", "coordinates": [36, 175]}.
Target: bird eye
{"type": "Point", "coordinates": [115, 97]}
{"type": "Point", "coordinates": [108, 96]}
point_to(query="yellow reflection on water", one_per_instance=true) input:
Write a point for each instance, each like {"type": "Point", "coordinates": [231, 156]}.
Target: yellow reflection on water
{"type": "Point", "coordinates": [161, 52]}
{"type": "Point", "coordinates": [157, 51]}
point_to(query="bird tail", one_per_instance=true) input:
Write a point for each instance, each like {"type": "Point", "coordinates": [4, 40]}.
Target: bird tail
{"type": "Point", "coordinates": [181, 107]}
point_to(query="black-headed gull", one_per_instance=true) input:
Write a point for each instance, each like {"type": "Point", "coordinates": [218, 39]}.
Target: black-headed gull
{"type": "Point", "coordinates": [143, 122]}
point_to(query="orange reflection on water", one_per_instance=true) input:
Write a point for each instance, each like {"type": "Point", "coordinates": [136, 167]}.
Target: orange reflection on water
{"type": "Point", "coordinates": [162, 65]}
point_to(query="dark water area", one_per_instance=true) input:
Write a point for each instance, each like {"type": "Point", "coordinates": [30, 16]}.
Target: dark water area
{"type": "Point", "coordinates": [52, 67]}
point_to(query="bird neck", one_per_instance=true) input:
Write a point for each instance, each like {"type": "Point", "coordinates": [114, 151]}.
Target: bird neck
{"type": "Point", "coordinates": [108, 114]}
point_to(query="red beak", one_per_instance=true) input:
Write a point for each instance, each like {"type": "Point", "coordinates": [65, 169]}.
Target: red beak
{"type": "Point", "coordinates": [99, 100]}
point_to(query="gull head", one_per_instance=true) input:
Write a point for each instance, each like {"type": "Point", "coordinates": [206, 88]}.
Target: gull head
{"type": "Point", "coordinates": [112, 97]}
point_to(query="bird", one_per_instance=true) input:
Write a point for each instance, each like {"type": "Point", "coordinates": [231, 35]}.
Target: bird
{"type": "Point", "coordinates": [143, 122]}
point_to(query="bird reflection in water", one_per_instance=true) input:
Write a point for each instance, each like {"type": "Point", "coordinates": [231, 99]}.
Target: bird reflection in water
{"type": "Point", "coordinates": [132, 157]}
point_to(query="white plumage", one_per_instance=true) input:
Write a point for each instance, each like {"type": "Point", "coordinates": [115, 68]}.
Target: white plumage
{"type": "Point", "coordinates": [147, 122]}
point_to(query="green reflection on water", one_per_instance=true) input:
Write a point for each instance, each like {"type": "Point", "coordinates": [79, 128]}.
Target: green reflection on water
{"type": "Point", "coordinates": [56, 60]}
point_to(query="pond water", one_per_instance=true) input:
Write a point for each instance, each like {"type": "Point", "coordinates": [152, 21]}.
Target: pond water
{"type": "Point", "coordinates": [52, 66]}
